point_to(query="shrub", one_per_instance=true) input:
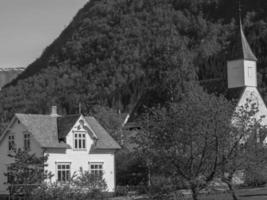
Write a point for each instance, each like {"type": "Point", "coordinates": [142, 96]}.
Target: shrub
{"type": "Point", "coordinates": [255, 178]}
{"type": "Point", "coordinates": [85, 186]}
{"type": "Point", "coordinates": [58, 192]}
{"type": "Point", "coordinates": [90, 182]}
{"type": "Point", "coordinates": [64, 192]}
{"type": "Point", "coordinates": [121, 191]}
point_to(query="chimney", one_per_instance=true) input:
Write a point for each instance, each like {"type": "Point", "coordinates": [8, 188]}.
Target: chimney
{"type": "Point", "coordinates": [54, 111]}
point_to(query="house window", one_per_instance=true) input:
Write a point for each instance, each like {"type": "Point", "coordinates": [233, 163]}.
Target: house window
{"type": "Point", "coordinates": [96, 168]}
{"type": "Point", "coordinates": [63, 172]}
{"type": "Point", "coordinates": [79, 141]}
{"type": "Point", "coordinates": [11, 142]}
{"type": "Point", "coordinates": [10, 175]}
{"type": "Point", "coordinates": [250, 72]}
{"type": "Point", "coordinates": [27, 143]}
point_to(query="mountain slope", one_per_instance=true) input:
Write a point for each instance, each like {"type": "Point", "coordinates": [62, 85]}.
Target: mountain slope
{"type": "Point", "coordinates": [53, 49]}
{"type": "Point", "coordinates": [125, 54]}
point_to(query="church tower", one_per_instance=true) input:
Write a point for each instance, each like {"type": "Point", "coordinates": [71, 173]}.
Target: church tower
{"type": "Point", "coordinates": [242, 78]}
{"type": "Point", "coordinates": [242, 69]}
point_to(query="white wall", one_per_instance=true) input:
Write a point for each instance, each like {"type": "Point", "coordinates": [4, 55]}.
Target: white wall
{"type": "Point", "coordinates": [77, 159]}
{"type": "Point", "coordinates": [241, 73]}
{"type": "Point", "coordinates": [250, 73]}
{"type": "Point", "coordinates": [81, 159]}
{"type": "Point", "coordinates": [17, 129]}
{"type": "Point", "coordinates": [253, 94]}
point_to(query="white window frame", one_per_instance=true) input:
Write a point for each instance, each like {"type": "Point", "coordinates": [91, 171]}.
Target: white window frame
{"type": "Point", "coordinates": [11, 143]}
{"type": "Point", "coordinates": [98, 168]}
{"type": "Point", "coordinates": [250, 72]}
{"type": "Point", "coordinates": [65, 169]}
{"type": "Point", "coordinates": [79, 140]}
{"type": "Point", "coordinates": [27, 141]}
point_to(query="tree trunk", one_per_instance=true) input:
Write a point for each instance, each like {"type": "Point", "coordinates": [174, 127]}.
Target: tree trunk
{"type": "Point", "coordinates": [194, 193]}
{"type": "Point", "coordinates": [232, 191]}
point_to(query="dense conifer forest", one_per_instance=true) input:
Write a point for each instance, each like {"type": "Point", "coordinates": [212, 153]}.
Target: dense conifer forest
{"type": "Point", "coordinates": [127, 54]}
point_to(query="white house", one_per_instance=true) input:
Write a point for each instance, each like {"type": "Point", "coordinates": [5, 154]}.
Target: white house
{"type": "Point", "coordinates": [72, 142]}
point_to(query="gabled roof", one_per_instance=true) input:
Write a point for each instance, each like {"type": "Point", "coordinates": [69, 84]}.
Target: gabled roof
{"type": "Point", "coordinates": [241, 48]}
{"type": "Point", "coordinates": [65, 124]}
{"type": "Point", "coordinates": [43, 128]}
{"type": "Point", "coordinates": [104, 140]}
{"type": "Point", "coordinates": [48, 130]}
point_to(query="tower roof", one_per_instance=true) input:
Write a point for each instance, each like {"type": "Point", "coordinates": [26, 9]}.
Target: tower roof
{"type": "Point", "coordinates": [241, 48]}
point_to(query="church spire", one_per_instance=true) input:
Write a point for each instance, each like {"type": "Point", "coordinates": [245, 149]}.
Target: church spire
{"type": "Point", "coordinates": [241, 49]}
{"type": "Point", "coordinates": [242, 63]}
{"type": "Point", "coordinates": [241, 67]}
{"type": "Point", "coordinates": [245, 50]}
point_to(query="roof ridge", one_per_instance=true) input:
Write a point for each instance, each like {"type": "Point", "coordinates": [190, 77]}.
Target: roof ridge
{"type": "Point", "coordinates": [33, 114]}
{"type": "Point", "coordinates": [91, 116]}
{"type": "Point", "coordinates": [70, 115]}
{"type": "Point", "coordinates": [48, 115]}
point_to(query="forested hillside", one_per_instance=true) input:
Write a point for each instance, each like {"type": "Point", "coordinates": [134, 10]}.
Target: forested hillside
{"type": "Point", "coordinates": [126, 54]}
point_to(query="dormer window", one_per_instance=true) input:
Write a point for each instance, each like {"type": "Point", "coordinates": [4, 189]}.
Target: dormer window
{"type": "Point", "coordinates": [79, 141]}
{"type": "Point", "coordinates": [27, 141]}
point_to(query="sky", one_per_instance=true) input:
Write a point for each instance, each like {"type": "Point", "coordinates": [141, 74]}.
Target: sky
{"type": "Point", "coordinates": [27, 27]}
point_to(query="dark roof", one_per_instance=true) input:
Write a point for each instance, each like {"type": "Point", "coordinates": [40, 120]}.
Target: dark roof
{"type": "Point", "coordinates": [65, 124]}
{"type": "Point", "coordinates": [43, 128]}
{"type": "Point", "coordinates": [234, 93]}
{"type": "Point", "coordinates": [241, 48]}
{"type": "Point", "coordinates": [47, 130]}
{"type": "Point", "coordinates": [104, 140]}
{"type": "Point", "coordinates": [131, 126]}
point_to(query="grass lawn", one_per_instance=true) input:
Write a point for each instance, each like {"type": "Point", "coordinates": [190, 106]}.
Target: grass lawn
{"type": "Point", "coordinates": [244, 194]}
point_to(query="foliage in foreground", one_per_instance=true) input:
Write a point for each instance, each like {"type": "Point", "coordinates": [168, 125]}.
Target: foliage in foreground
{"type": "Point", "coordinates": [201, 138]}
{"type": "Point", "coordinates": [65, 192]}
{"type": "Point", "coordinates": [26, 172]}
{"type": "Point", "coordinates": [131, 168]}
{"type": "Point", "coordinates": [82, 186]}
{"type": "Point", "coordinates": [27, 177]}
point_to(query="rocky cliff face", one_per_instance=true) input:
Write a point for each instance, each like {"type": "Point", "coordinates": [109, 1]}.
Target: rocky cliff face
{"type": "Point", "coordinates": [8, 74]}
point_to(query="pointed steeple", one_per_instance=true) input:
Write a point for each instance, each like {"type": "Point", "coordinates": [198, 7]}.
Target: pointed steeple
{"type": "Point", "coordinates": [242, 63]}
{"type": "Point", "coordinates": [241, 48]}
{"type": "Point", "coordinates": [247, 52]}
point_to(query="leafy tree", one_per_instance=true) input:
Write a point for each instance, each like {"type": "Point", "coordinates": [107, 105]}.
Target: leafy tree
{"type": "Point", "coordinates": [26, 173]}
{"type": "Point", "coordinates": [131, 168]}
{"type": "Point", "coordinates": [191, 140]}
{"type": "Point", "coordinates": [246, 152]}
